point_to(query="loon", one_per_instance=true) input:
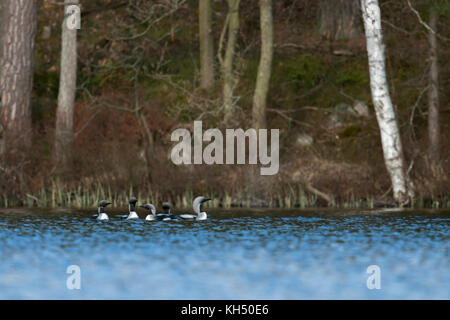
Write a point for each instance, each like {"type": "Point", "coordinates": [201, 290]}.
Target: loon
{"type": "Point", "coordinates": [197, 208]}
{"type": "Point", "coordinates": [165, 216]}
{"type": "Point", "coordinates": [152, 215]}
{"type": "Point", "coordinates": [132, 213]}
{"type": "Point", "coordinates": [101, 211]}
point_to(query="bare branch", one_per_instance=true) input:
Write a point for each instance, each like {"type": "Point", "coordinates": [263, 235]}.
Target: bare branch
{"type": "Point", "coordinates": [423, 23]}
{"type": "Point", "coordinates": [393, 26]}
{"type": "Point", "coordinates": [283, 115]}
{"type": "Point", "coordinates": [152, 23]}
{"type": "Point", "coordinates": [84, 126]}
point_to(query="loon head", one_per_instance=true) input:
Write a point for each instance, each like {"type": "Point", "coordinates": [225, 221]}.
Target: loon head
{"type": "Point", "coordinates": [166, 207]}
{"type": "Point", "coordinates": [198, 203]}
{"type": "Point", "coordinates": [102, 205]}
{"type": "Point", "coordinates": [150, 207]}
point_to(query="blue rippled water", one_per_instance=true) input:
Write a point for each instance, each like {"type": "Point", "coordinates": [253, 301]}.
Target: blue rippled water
{"type": "Point", "coordinates": [239, 254]}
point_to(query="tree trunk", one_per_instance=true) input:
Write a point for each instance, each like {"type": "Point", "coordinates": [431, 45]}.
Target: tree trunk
{"type": "Point", "coordinates": [433, 92]}
{"type": "Point", "coordinates": [387, 122]}
{"type": "Point", "coordinates": [64, 134]}
{"type": "Point", "coordinates": [339, 19]}
{"type": "Point", "coordinates": [19, 23]}
{"type": "Point", "coordinates": [229, 80]}
{"type": "Point", "coordinates": [206, 44]}
{"type": "Point", "coordinates": [265, 65]}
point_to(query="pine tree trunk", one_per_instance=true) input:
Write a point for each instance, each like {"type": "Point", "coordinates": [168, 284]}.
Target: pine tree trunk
{"type": "Point", "coordinates": [265, 65]}
{"type": "Point", "coordinates": [339, 19]}
{"type": "Point", "coordinates": [229, 80]}
{"type": "Point", "coordinates": [19, 23]}
{"type": "Point", "coordinates": [64, 134]}
{"type": "Point", "coordinates": [387, 121]}
{"type": "Point", "coordinates": [206, 44]}
{"type": "Point", "coordinates": [433, 92]}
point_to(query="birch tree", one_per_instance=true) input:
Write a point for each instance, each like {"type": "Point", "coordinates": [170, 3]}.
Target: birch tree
{"type": "Point", "coordinates": [19, 23]}
{"type": "Point", "coordinates": [265, 65]}
{"type": "Point", "coordinates": [231, 27]}
{"type": "Point", "coordinates": [433, 90]}
{"type": "Point", "coordinates": [206, 44]}
{"type": "Point", "coordinates": [64, 134]}
{"type": "Point", "coordinates": [390, 136]}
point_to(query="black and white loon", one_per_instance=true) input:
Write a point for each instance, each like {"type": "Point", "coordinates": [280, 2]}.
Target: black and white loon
{"type": "Point", "coordinates": [196, 205]}
{"type": "Point", "coordinates": [131, 210]}
{"type": "Point", "coordinates": [101, 215]}
{"type": "Point", "coordinates": [153, 216]}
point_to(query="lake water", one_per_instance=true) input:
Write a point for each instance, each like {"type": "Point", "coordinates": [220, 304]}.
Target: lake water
{"type": "Point", "coordinates": [238, 254]}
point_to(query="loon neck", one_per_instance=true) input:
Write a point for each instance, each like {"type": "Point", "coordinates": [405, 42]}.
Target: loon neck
{"type": "Point", "coordinates": [101, 210]}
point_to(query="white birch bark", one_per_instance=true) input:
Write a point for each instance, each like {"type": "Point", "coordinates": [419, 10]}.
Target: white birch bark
{"type": "Point", "coordinates": [387, 122]}
{"type": "Point", "coordinates": [66, 95]}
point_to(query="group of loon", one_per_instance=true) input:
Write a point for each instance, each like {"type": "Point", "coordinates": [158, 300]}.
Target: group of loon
{"type": "Point", "coordinates": [166, 215]}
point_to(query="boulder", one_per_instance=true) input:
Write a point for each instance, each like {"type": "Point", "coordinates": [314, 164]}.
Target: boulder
{"type": "Point", "coordinates": [361, 109]}
{"type": "Point", "coordinates": [304, 140]}
{"type": "Point", "coordinates": [334, 121]}
{"type": "Point", "coordinates": [344, 108]}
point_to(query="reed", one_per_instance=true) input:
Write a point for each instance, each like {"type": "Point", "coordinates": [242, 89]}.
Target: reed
{"type": "Point", "coordinates": [58, 195]}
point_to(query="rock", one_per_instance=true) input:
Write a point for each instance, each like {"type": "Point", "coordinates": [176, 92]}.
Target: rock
{"type": "Point", "coordinates": [344, 108]}
{"type": "Point", "coordinates": [304, 140]}
{"type": "Point", "coordinates": [343, 114]}
{"type": "Point", "coordinates": [361, 108]}
{"type": "Point", "coordinates": [340, 115]}
{"type": "Point", "coordinates": [334, 121]}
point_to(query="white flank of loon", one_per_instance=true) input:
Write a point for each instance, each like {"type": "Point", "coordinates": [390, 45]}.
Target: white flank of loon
{"type": "Point", "coordinates": [101, 211]}
{"type": "Point", "coordinates": [197, 204]}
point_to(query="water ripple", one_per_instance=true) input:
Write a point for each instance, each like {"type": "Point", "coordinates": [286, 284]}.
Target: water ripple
{"type": "Point", "coordinates": [237, 254]}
